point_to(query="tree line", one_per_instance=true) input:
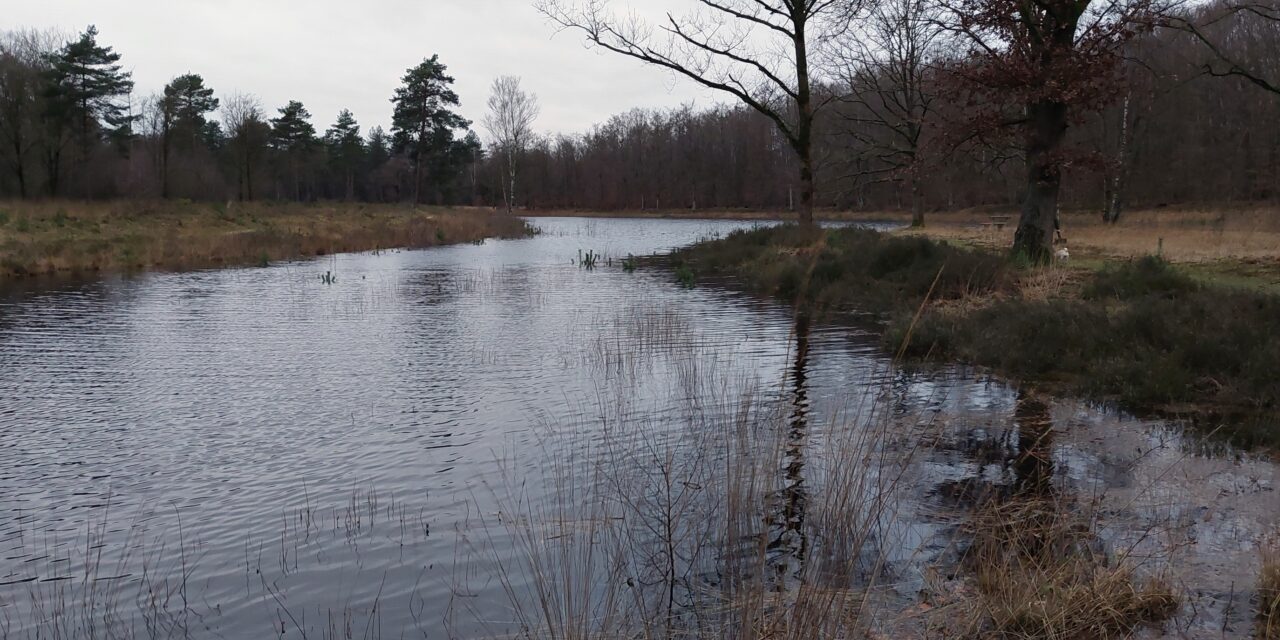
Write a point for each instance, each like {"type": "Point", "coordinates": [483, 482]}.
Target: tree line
{"type": "Point", "coordinates": [71, 126]}
{"type": "Point", "coordinates": [866, 104]}
{"type": "Point", "coordinates": [988, 101]}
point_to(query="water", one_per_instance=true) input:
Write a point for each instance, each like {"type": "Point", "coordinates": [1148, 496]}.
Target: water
{"type": "Point", "coordinates": [235, 453]}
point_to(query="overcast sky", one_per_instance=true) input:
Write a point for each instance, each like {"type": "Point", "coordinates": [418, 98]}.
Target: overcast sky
{"type": "Point", "coordinates": [333, 54]}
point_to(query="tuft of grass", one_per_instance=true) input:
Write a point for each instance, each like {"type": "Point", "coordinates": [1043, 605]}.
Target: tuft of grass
{"type": "Point", "coordinates": [685, 276]}
{"type": "Point", "coordinates": [1269, 593]}
{"type": "Point", "coordinates": [1148, 276]}
{"type": "Point", "coordinates": [588, 260]}
{"type": "Point", "coordinates": [1038, 574]}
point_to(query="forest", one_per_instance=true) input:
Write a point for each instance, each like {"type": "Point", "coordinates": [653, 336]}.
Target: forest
{"type": "Point", "coordinates": [1187, 112]}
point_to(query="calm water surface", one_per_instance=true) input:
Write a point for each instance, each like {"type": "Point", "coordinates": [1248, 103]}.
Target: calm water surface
{"type": "Point", "coordinates": [241, 453]}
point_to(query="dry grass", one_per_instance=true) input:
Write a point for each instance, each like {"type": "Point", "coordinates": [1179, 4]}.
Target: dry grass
{"type": "Point", "coordinates": [725, 214]}
{"type": "Point", "coordinates": [1236, 247]}
{"type": "Point", "coordinates": [40, 238]}
{"type": "Point", "coordinates": [1184, 235]}
{"type": "Point", "coordinates": [1038, 573]}
{"type": "Point", "coordinates": [1269, 592]}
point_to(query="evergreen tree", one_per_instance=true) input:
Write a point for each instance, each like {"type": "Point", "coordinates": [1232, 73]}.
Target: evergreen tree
{"type": "Point", "coordinates": [346, 150]}
{"type": "Point", "coordinates": [378, 149]}
{"type": "Point", "coordinates": [423, 123]}
{"type": "Point", "coordinates": [182, 109]}
{"type": "Point", "coordinates": [293, 136]}
{"type": "Point", "coordinates": [377, 155]}
{"type": "Point", "coordinates": [212, 136]}
{"type": "Point", "coordinates": [86, 83]}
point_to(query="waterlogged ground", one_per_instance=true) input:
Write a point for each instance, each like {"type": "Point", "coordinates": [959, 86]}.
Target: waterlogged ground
{"type": "Point", "coordinates": [490, 440]}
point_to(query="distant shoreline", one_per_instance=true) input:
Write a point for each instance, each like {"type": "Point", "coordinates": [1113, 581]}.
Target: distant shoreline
{"type": "Point", "coordinates": [73, 239]}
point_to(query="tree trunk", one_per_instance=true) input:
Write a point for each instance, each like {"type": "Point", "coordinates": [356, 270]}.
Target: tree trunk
{"type": "Point", "coordinates": [53, 167]}
{"type": "Point", "coordinates": [164, 164]}
{"type": "Point", "coordinates": [806, 187]}
{"type": "Point", "coordinates": [1119, 181]}
{"type": "Point", "coordinates": [804, 105]}
{"type": "Point", "coordinates": [511, 172]}
{"type": "Point", "coordinates": [248, 177]}
{"type": "Point", "coordinates": [417, 180]}
{"type": "Point", "coordinates": [917, 207]}
{"type": "Point", "coordinates": [1046, 127]}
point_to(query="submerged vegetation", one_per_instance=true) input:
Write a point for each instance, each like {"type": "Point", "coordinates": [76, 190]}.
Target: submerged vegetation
{"type": "Point", "coordinates": [78, 237]}
{"type": "Point", "coordinates": [1141, 331]}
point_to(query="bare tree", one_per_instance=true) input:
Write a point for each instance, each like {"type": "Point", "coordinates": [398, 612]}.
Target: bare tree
{"type": "Point", "coordinates": [247, 133]}
{"type": "Point", "coordinates": [1240, 37]}
{"type": "Point", "coordinates": [755, 50]}
{"type": "Point", "coordinates": [888, 73]}
{"type": "Point", "coordinates": [512, 112]}
{"type": "Point", "coordinates": [23, 61]}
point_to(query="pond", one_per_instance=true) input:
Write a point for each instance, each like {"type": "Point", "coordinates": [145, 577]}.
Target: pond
{"type": "Point", "coordinates": [487, 440]}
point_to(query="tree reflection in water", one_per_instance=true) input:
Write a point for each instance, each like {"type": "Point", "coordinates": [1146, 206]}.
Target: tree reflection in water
{"type": "Point", "coordinates": [788, 540]}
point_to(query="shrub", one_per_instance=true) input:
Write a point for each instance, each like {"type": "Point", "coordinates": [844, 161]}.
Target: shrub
{"type": "Point", "coordinates": [1145, 277]}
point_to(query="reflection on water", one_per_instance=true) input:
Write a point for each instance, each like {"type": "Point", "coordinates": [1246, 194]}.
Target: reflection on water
{"type": "Point", "coordinates": [220, 453]}
{"type": "Point", "coordinates": [789, 541]}
{"type": "Point", "coordinates": [1033, 466]}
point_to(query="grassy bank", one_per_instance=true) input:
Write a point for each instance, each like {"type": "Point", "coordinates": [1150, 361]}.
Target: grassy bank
{"type": "Point", "coordinates": [1229, 246]}
{"type": "Point", "coordinates": [57, 237]}
{"type": "Point", "coordinates": [1137, 331]}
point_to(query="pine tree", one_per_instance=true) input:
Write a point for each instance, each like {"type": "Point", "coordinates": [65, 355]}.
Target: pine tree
{"type": "Point", "coordinates": [346, 150]}
{"type": "Point", "coordinates": [378, 148]}
{"type": "Point", "coordinates": [182, 109]}
{"type": "Point", "coordinates": [423, 124]}
{"type": "Point", "coordinates": [377, 155]}
{"type": "Point", "coordinates": [293, 136]}
{"type": "Point", "coordinates": [86, 83]}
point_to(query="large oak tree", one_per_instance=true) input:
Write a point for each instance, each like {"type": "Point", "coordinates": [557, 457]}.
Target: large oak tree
{"type": "Point", "coordinates": [1036, 66]}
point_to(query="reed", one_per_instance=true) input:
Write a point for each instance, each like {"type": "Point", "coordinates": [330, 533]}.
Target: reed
{"type": "Point", "coordinates": [1268, 586]}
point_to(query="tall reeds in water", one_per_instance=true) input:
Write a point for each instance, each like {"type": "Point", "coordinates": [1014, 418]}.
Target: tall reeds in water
{"type": "Point", "coordinates": [730, 515]}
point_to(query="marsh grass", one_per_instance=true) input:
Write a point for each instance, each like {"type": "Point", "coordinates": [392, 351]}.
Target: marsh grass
{"type": "Point", "coordinates": [836, 269]}
{"type": "Point", "coordinates": [1268, 586]}
{"type": "Point", "coordinates": [86, 237]}
{"type": "Point", "coordinates": [732, 514]}
{"type": "Point", "coordinates": [1038, 571]}
{"type": "Point", "coordinates": [1141, 332]}
{"type": "Point", "coordinates": [148, 577]}
{"type": "Point", "coordinates": [587, 260]}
